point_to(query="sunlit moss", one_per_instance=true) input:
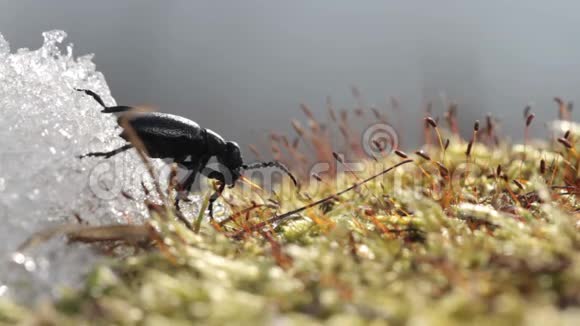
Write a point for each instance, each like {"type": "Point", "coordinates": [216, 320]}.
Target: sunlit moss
{"type": "Point", "coordinates": [417, 248]}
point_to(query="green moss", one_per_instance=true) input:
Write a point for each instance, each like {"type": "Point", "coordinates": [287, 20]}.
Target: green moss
{"type": "Point", "coordinates": [412, 249]}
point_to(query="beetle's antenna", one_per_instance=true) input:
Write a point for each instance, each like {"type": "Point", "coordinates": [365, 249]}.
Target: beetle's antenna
{"type": "Point", "coordinates": [261, 165]}
{"type": "Point", "coordinates": [281, 217]}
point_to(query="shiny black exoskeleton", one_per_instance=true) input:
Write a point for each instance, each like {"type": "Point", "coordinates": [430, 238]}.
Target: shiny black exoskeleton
{"type": "Point", "coordinates": [169, 136]}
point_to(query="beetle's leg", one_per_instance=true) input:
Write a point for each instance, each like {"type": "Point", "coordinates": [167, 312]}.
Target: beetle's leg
{"type": "Point", "coordinates": [106, 109]}
{"type": "Point", "coordinates": [214, 197]}
{"type": "Point", "coordinates": [213, 174]}
{"type": "Point", "coordinates": [186, 185]}
{"type": "Point", "coordinates": [108, 154]}
{"type": "Point", "coordinates": [116, 109]}
{"type": "Point", "coordinates": [216, 175]}
{"type": "Point", "coordinates": [93, 95]}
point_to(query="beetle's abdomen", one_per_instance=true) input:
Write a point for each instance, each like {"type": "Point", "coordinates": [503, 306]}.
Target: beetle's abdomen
{"type": "Point", "coordinates": [166, 135]}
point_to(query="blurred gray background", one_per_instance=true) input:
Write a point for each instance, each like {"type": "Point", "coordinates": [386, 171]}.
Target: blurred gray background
{"type": "Point", "coordinates": [242, 68]}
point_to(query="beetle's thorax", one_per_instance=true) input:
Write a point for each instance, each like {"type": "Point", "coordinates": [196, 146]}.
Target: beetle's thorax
{"type": "Point", "coordinates": [214, 142]}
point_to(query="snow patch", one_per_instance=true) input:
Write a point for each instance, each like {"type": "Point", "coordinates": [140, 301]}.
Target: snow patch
{"type": "Point", "coordinates": [44, 125]}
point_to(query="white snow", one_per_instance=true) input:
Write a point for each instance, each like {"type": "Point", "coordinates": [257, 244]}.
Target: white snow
{"type": "Point", "coordinates": [44, 125]}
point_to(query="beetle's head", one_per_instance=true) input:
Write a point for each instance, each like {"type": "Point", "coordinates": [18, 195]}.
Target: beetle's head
{"type": "Point", "coordinates": [231, 157]}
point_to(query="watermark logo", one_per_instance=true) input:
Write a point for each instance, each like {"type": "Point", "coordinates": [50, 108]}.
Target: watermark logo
{"type": "Point", "coordinates": [379, 139]}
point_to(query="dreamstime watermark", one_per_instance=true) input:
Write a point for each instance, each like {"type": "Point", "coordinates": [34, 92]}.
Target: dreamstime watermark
{"type": "Point", "coordinates": [126, 174]}
{"type": "Point", "coordinates": [379, 139]}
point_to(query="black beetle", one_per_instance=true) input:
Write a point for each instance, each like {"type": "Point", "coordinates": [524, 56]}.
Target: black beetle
{"type": "Point", "coordinates": [169, 136]}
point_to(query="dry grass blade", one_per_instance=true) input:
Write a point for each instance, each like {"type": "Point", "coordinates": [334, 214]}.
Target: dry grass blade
{"type": "Point", "coordinates": [286, 215]}
{"type": "Point", "coordinates": [142, 151]}
{"type": "Point", "coordinates": [128, 233]}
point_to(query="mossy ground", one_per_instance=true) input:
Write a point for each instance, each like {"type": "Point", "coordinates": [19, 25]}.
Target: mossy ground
{"type": "Point", "coordinates": [453, 242]}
